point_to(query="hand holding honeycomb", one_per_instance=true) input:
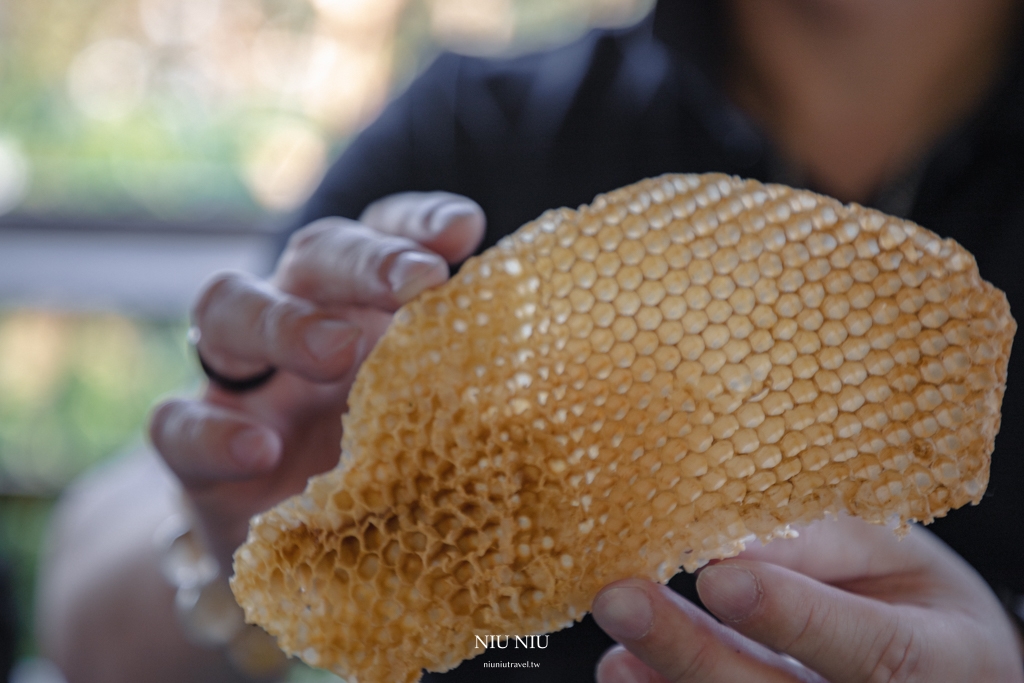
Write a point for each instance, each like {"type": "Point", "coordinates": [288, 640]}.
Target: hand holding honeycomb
{"type": "Point", "coordinates": [645, 383]}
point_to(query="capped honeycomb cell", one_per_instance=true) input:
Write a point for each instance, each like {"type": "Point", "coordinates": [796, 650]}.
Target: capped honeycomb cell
{"type": "Point", "coordinates": [645, 383]}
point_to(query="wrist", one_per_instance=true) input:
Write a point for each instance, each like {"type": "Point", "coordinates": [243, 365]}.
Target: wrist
{"type": "Point", "coordinates": [205, 608]}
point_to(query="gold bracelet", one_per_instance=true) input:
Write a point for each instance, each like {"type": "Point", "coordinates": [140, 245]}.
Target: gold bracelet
{"type": "Point", "coordinates": [206, 609]}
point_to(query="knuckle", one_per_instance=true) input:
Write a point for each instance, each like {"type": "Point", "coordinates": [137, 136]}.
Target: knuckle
{"type": "Point", "coordinates": [900, 657]}
{"type": "Point", "coordinates": [176, 425]}
{"type": "Point", "coordinates": [277, 324]}
{"type": "Point", "coordinates": [817, 631]}
{"type": "Point", "coordinates": [188, 424]}
{"type": "Point", "coordinates": [308, 234]}
{"type": "Point", "coordinates": [698, 666]}
{"type": "Point", "coordinates": [304, 244]}
{"type": "Point", "coordinates": [218, 288]}
{"type": "Point", "coordinates": [328, 251]}
{"type": "Point", "coordinates": [158, 421]}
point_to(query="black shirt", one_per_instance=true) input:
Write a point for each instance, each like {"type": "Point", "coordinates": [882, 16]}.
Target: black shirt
{"type": "Point", "coordinates": [554, 129]}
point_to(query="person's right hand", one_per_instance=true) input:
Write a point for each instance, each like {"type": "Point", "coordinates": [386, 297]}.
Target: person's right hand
{"type": "Point", "coordinates": [329, 301]}
{"type": "Point", "coordinates": [846, 602]}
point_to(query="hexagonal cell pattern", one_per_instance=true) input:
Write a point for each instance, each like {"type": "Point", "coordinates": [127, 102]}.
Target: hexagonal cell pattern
{"type": "Point", "coordinates": [642, 384]}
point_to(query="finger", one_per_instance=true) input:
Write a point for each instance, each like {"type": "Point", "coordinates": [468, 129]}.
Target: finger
{"type": "Point", "coordinates": [844, 637]}
{"type": "Point", "coordinates": [682, 643]}
{"type": "Point", "coordinates": [839, 549]}
{"type": "Point", "coordinates": [447, 224]}
{"type": "Point", "coordinates": [204, 444]}
{"type": "Point", "coordinates": [246, 324]}
{"type": "Point", "coordinates": [337, 261]}
{"type": "Point", "coordinates": [619, 665]}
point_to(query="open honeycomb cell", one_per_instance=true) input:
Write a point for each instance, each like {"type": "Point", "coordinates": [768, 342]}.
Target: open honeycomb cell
{"type": "Point", "coordinates": [645, 383]}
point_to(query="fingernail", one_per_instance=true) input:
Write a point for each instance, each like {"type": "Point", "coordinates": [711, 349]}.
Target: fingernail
{"type": "Point", "coordinates": [328, 337]}
{"type": "Point", "coordinates": [448, 213]}
{"type": "Point", "coordinates": [414, 271]}
{"type": "Point", "coordinates": [624, 613]}
{"type": "Point", "coordinates": [255, 449]}
{"type": "Point", "coordinates": [731, 593]}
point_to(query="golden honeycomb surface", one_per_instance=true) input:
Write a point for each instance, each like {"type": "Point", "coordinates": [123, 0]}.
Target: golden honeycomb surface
{"type": "Point", "coordinates": [644, 383]}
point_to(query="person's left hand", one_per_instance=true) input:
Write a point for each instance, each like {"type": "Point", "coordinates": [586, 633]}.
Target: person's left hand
{"type": "Point", "coordinates": [847, 602]}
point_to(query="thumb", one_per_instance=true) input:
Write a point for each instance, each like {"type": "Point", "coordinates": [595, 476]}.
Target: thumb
{"type": "Point", "coordinates": [842, 636]}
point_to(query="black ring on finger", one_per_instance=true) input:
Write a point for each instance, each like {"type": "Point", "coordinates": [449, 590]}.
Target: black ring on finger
{"type": "Point", "coordinates": [235, 386]}
{"type": "Point", "coordinates": [228, 384]}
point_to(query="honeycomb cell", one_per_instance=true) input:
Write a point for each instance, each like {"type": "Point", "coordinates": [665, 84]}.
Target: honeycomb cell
{"type": "Point", "coordinates": [703, 249]}
{"type": "Point", "coordinates": [835, 307]}
{"type": "Point", "coordinates": [625, 328]}
{"type": "Point", "coordinates": [788, 306]}
{"type": "Point", "coordinates": [646, 343]}
{"type": "Point", "coordinates": [749, 247]}
{"type": "Point", "coordinates": [910, 300]}
{"type": "Point", "coordinates": [816, 269]}
{"type": "Point", "coordinates": [629, 278]}
{"type": "Point", "coordinates": [858, 323]}
{"type": "Point", "coordinates": [694, 321]}
{"type": "Point", "coordinates": [766, 291]}
{"type": "Point", "coordinates": [648, 318]}
{"type": "Point", "coordinates": [771, 430]}
{"type": "Point", "coordinates": [656, 241]}
{"type": "Point", "coordinates": [607, 265]}
{"type": "Point", "coordinates": [932, 342]}
{"type": "Point", "coordinates": [812, 294]}
{"type": "Point", "coordinates": [830, 358]}
{"type": "Point", "coordinates": [728, 235]}
{"type": "Point", "coordinates": [651, 292]}
{"type": "Point", "coordinates": [631, 252]}
{"type": "Point", "coordinates": [845, 254]}
{"type": "Point", "coordinates": [746, 275]}
{"type": "Point", "coordinates": [718, 311]}
{"type": "Point", "coordinates": [584, 275]}
{"type": "Point", "coordinates": [833, 333]}
{"type": "Point", "coordinates": [740, 467]}
{"type": "Point", "coordinates": [586, 248]}
{"type": "Point", "coordinates": [725, 261]}
{"type": "Point", "coordinates": [721, 287]}
{"type": "Point", "coordinates": [627, 303]}
{"type": "Point", "coordinates": [603, 314]}
{"type": "Point", "coordinates": [654, 267]}
{"type": "Point", "coordinates": [936, 291]}
{"type": "Point", "coordinates": [780, 379]}
{"type": "Point", "coordinates": [821, 244]}
{"type": "Point", "coordinates": [805, 367]}
{"type": "Point", "coordinates": [770, 265]}
{"type": "Point", "coordinates": [678, 256]}
{"type": "Point", "coordinates": [581, 300]}
{"type": "Point", "coordinates": [850, 399]}
{"type": "Point", "coordinates": [697, 298]}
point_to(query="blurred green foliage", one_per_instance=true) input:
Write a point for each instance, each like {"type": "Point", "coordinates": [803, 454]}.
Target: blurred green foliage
{"type": "Point", "coordinates": [74, 388]}
{"type": "Point", "coordinates": [23, 521]}
{"type": "Point", "coordinates": [186, 109]}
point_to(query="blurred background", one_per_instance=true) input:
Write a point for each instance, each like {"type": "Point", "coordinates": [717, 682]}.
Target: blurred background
{"type": "Point", "coordinates": [145, 144]}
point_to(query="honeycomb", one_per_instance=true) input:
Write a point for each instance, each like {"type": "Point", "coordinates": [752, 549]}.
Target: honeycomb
{"type": "Point", "coordinates": [645, 383]}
